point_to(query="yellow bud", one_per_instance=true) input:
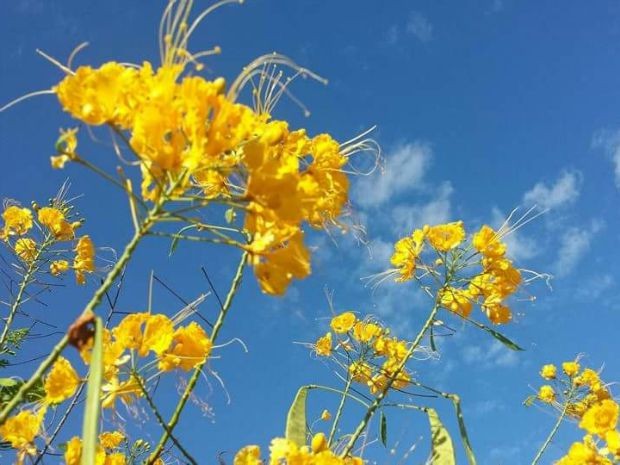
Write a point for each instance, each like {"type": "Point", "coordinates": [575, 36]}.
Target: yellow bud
{"type": "Point", "coordinates": [319, 443]}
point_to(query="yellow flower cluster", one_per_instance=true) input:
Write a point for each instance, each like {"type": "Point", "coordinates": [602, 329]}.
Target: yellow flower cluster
{"type": "Point", "coordinates": [55, 227]}
{"type": "Point", "coordinates": [497, 280]}
{"type": "Point", "coordinates": [108, 450]}
{"type": "Point", "coordinates": [590, 401]}
{"type": "Point", "coordinates": [375, 355]}
{"type": "Point", "coordinates": [21, 430]}
{"type": "Point", "coordinates": [284, 451]}
{"type": "Point", "coordinates": [187, 132]}
{"type": "Point", "coordinates": [182, 348]}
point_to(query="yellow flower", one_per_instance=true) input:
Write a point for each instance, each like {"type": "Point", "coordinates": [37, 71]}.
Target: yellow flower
{"type": "Point", "coordinates": [588, 378]}
{"type": "Point", "coordinates": [360, 371]}
{"type": "Point", "coordinates": [21, 430]}
{"type": "Point", "coordinates": [127, 391]}
{"type": "Point", "coordinates": [62, 382]}
{"type": "Point", "coordinates": [116, 458]}
{"type": "Point", "coordinates": [73, 453]}
{"type": "Point", "coordinates": [323, 346]}
{"type": "Point", "coordinates": [487, 242]}
{"type": "Point", "coordinates": [111, 439]}
{"type": "Point", "coordinates": [54, 220]}
{"type": "Point", "coordinates": [459, 301]}
{"type": "Point", "coordinates": [145, 332]}
{"type": "Point", "coordinates": [17, 221]}
{"type": "Point", "coordinates": [84, 261]}
{"type": "Point", "coordinates": [406, 252]}
{"type": "Point", "coordinates": [249, 455]}
{"type": "Point", "coordinates": [364, 332]}
{"type": "Point", "coordinates": [612, 438]}
{"type": "Point", "coordinates": [600, 418]}
{"type": "Point", "coordinates": [548, 371]}
{"type": "Point", "coordinates": [343, 323]}
{"type": "Point", "coordinates": [498, 314]}
{"type": "Point", "coordinates": [583, 454]}
{"type": "Point", "coordinates": [191, 346]}
{"type": "Point", "coordinates": [546, 394]}
{"type": "Point", "coordinates": [570, 368]}
{"type": "Point", "coordinates": [444, 237]}
{"type": "Point", "coordinates": [325, 415]}
{"type": "Point", "coordinates": [58, 267]}
{"type": "Point", "coordinates": [26, 249]}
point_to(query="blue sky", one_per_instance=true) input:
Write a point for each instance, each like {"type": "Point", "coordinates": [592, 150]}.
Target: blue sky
{"type": "Point", "coordinates": [480, 107]}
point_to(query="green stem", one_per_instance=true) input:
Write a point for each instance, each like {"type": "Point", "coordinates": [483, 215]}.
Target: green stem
{"type": "Point", "coordinates": [176, 415]}
{"type": "Point", "coordinates": [379, 399]}
{"type": "Point", "coordinates": [32, 267]}
{"type": "Point", "coordinates": [553, 432]}
{"type": "Point", "coordinates": [340, 409]}
{"type": "Point", "coordinates": [90, 307]}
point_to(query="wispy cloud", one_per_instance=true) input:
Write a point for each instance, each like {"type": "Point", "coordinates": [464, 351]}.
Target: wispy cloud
{"type": "Point", "coordinates": [405, 169]}
{"type": "Point", "coordinates": [419, 26]}
{"type": "Point", "coordinates": [437, 210]}
{"type": "Point", "coordinates": [492, 355]}
{"type": "Point", "coordinates": [564, 191]}
{"type": "Point", "coordinates": [609, 141]}
{"type": "Point", "coordinates": [574, 244]}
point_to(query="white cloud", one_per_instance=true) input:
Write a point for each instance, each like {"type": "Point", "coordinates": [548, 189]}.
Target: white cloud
{"type": "Point", "coordinates": [404, 170]}
{"type": "Point", "coordinates": [420, 26]}
{"type": "Point", "coordinates": [437, 210]}
{"type": "Point", "coordinates": [609, 141]}
{"type": "Point", "coordinates": [574, 244]}
{"type": "Point", "coordinates": [563, 192]}
{"type": "Point", "coordinates": [491, 356]}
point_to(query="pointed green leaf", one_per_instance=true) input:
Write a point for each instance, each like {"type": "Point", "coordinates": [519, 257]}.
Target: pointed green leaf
{"type": "Point", "coordinates": [442, 452]}
{"type": "Point", "coordinates": [497, 335]}
{"type": "Point", "coordinates": [296, 430]}
{"type": "Point", "coordinates": [469, 451]}
{"type": "Point", "coordinates": [90, 428]}
{"type": "Point", "coordinates": [383, 429]}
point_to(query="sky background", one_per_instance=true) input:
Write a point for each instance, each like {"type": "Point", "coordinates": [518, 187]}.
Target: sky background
{"type": "Point", "coordinates": [480, 106]}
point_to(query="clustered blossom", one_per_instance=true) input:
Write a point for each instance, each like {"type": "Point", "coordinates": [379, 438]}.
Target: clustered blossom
{"type": "Point", "coordinates": [189, 135]}
{"type": "Point", "coordinates": [497, 280]}
{"type": "Point", "coordinates": [32, 240]}
{"type": "Point", "coordinates": [373, 356]}
{"type": "Point", "coordinates": [285, 451]}
{"type": "Point", "coordinates": [587, 399]}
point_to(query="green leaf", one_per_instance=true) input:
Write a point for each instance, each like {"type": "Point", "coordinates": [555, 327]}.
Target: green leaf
{"type": "Point", "coordinates": [383, 429]}
{"type": "Point", "coordinates": [529, 401]}
{"type": "Point", "coordinates": [442, 450]}
{"type": "Point", "coordinates": [296, 430]}
{"type": "Point", "coordinates": [469, 451]}
{"type": "Point", "coordinates": [90, 429]}
{"type": "Point", "coordinates": [500, 337]}
{"type": "Point", "coordinates": [10, 386]}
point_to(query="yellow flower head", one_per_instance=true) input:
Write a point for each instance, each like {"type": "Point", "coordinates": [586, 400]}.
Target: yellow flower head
{"type": "Point", "coordinates": [191, 345]}
{"type": "Point", "coordinates": [111, 439]}
{"type": "Point", "coordinates": [600, 418]}
{"type": "Point", "coordinates": [20, 430]}
{"type": "Point", "coordinates": [583, 454]}
{"type": "Point", "coordinates": [546, 394]}
{"type": "Point", "coordinates": [54, 220]}
{"type": "Point", "coordinates": [249, 455]}
{"type": "Point", "coordinates": [364, 332]}
{"type": "Point", "coordinates": [487, 242]}
{"type": "Point", "coordinates": [459, 301]}
{"type": "Point", "coordinates": [548, 371]}
{"type": "Point", "coordinates": [588, 378]}
{"type": "Point", "coordinates": [62, 382]}
{"type": "Point", "coordinates": [84, 261]}
{"type": "Point", "coordinates": [570, 368]}
{"type": "Point", "coordinates": [58, 267]}
{"type": "Point", "coordinates": [444, 237]}
{"type": "Point", "coordinates": [17, 221]}
{"type": "Point", "coordinates": [360, 371]}
{"type": "Point", "coordinates": [406, 252]}
{"type": "Point", "coordinates": [26, 249]}
{"type": "Point", "coordinates": [343, 323]}
{"type": "Point", "coordinates": [323, 346]}
{"type": "Point", "coordinates": [497, 313]}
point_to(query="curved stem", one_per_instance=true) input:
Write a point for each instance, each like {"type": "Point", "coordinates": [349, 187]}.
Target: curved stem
{"type": "Point", "coordinates": [176, 415]}
{"type": "Point", "coordinates": [379, 399]}
{"type": "Point", "coordinates": [340, 408]}
{"type": "Point", "coordinates": [553, 432]}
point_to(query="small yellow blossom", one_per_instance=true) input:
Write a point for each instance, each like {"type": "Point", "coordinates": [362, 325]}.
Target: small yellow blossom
{"type": "Point", "coordinates": [319, 443]}
{"type": "Point", "coordinates": [343, 323]}
{"type": "Point", "coordinates": [364, 332]}
{"type": "Point", "coordinates": [459, 301]}
{"type": "Point", "coordinates": [612, 438]}
{"type": "Point", "coordinates": [111, 439]}
{"type": "Point", "coordinates": [570, 368]}
{"type": "Point", "coordinates": [325, 415]}
{"type": "Point", "coordinates": [58, 267]}
{"type": "Point", "coordinates": [62, 382]}
{"type": "Point", "coordinates": [548, 371]}
{"type": "Point", "coordinates": [54, 220]}
{"type": "Point", "coordinates": [406, 252]}
{"type": "Point", "coordinates": [600, 418]}
{"type": "Point", "coordinates": [360, 371]}
{"type": "Point", "coordinates": [487, 242]}
{"type": "Point", "coordinates": [26, 249]}
{"type": "Point", "coordinates": [21, 430]}
{"type": "Point", "coordinates": [546, 394]}
{"type": "Point", "coordinates": [191, 345]}
{"type": "Point", "coordinates": [583, 454]}
{"type": "Point", "coordinates": [17, 221]}
{"type": "Point", "coordinates": [588, 378]}
{"type": "Point", "coordinates": [444, 237]}
{"type": "Point", "coordinates": [323, 345]}
{"type": "Point", "coordinates": [84, 261]}
{"type": "Point", "coordinates": [249, 455]}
